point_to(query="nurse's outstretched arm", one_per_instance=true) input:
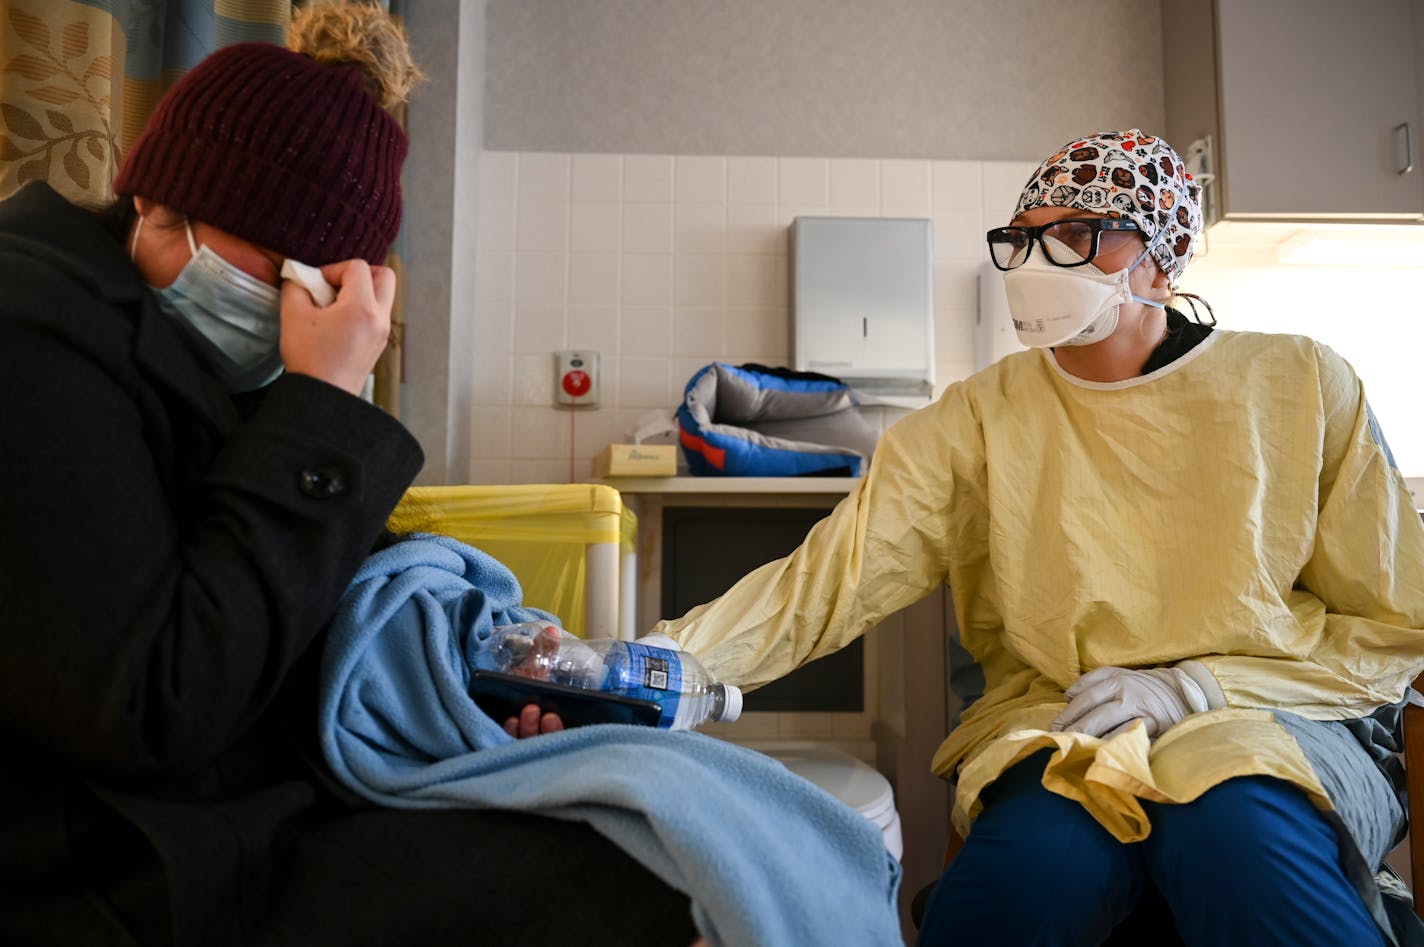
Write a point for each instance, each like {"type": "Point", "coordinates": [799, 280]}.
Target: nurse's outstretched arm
{"type": "Point", "coordinates": [885, 546]}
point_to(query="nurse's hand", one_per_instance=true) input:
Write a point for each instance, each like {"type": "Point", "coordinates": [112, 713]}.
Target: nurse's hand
{"type": "Point", "coordinates": [1105, 702]}
{"type": "Point", "coordinates": [339, 343]}
{"type": "Point", "coordinates": [531, 722]}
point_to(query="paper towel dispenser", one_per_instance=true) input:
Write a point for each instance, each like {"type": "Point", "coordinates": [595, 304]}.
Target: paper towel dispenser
{"type": "Point", "coordinates": [862, 302]}
{"type": "Point", "coordinates": [994, 335]}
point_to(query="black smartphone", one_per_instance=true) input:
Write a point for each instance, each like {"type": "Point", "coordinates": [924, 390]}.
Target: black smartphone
{"type": "Point", "coordinates": [504, 695]}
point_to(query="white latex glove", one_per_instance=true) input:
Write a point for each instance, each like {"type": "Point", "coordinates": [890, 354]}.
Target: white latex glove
{"type": "Point", "coordinates": [660, 641]}
{"type": "Point", "coordinates": [1105, 702]}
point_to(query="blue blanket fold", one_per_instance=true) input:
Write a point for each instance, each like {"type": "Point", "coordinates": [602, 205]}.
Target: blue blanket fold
{"type": "Point", "coordinates": [766, 857]}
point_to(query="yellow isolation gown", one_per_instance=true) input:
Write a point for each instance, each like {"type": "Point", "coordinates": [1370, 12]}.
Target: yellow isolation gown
{"type": "Point", "coordinates": [1232, 507]}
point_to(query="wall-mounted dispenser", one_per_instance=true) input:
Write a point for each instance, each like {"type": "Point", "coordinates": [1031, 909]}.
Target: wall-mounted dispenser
{"type": "Point", "coordinates": [994, 335]}
{"type": "Point", "coordinates": [862, 303]}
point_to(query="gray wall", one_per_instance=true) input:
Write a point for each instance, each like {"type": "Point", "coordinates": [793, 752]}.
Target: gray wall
{"type": "Point", "coordinates": [949, 79]}
{"type": "Point", "coordinates": [446, 119]}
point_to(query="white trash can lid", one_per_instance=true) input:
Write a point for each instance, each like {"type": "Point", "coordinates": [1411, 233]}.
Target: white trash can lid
{"type": "Point", "coordinates": [838, 773]}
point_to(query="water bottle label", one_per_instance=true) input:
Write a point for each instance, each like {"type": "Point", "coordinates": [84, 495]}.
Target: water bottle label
{"type": "Point", "coordinates": [653, 674]}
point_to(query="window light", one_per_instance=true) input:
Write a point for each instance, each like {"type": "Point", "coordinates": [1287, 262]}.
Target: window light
{"type": "Point", "coordinates": [1390, 246]}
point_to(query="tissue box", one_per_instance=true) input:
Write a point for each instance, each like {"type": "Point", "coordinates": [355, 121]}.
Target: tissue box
{"type": "Point", "coordinates": [636, 460]}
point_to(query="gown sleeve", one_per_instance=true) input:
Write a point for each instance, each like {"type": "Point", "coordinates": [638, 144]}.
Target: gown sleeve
{"type": "Point", "coordinates": [885, 546]}
{"type": "Point", "coordinates": [1362, 587]}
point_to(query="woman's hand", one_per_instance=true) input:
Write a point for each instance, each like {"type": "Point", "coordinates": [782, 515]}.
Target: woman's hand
{"type": "Point", "coordinates": [531, 723]}
{"type": "Point", "coordinates": [340, 343]}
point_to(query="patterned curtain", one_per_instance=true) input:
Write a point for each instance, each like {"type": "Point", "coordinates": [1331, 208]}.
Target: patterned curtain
{"type": "Point", "coordinates": [78, 79]}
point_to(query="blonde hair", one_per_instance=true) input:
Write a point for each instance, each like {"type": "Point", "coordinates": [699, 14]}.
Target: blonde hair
{"type": "Point", "coordinates": [360, 34]}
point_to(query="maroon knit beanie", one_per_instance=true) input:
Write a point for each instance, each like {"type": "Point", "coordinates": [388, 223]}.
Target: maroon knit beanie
{"type": "Point", "coordinates": [278, 149]}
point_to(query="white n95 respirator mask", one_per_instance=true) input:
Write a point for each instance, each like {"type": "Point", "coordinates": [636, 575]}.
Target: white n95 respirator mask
{"type": "Point", "coordinates": [1055, 305]}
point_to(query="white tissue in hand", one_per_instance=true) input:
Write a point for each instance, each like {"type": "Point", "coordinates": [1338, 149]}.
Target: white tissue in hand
{"type": "Point", "coordinates": [310, 277]}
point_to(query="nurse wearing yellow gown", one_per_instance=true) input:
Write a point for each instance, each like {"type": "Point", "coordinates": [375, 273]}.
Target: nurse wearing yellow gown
{"type": "Point", "coordinates": [1186, 569]}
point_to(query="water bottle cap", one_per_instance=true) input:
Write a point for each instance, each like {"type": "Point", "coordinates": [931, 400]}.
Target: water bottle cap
{"type": "Point", "coordinates": [731, 704]}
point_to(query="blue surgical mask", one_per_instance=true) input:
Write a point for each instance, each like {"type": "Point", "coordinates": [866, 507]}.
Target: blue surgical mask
{"type": "Point", "coordinates": [234, 318]}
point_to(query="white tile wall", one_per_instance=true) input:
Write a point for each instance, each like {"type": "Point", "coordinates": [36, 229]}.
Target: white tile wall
{"type": "Point", "coordinates": [597, 178]}
{"type": "Point", "coordinates": [663, 264]}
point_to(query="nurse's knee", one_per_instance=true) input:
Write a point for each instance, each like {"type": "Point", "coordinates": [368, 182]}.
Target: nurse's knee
{"type": "Point", "coordinates": [1042, 842]}
{"type": "Point", "coordinates": [1271, 814]}
{"type": "Point", "coordinates": [1040, 833]}
{"type": "Point", "coordinates": [1034, 883]}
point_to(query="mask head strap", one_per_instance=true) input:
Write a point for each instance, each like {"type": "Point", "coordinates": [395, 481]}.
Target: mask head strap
{"type": "Point", "coordinates": [1146, 252]}
{"type": "Point", "coordinates": [187, 226]}
{"type": "Point", "coordinates": [192, 244]}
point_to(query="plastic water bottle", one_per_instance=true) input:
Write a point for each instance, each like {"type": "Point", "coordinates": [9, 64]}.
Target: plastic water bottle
{"type": "Point", "coordinates": [651, 668]}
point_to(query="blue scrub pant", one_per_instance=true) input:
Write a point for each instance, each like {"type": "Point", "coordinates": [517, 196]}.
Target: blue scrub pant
{"type": "Point", "coordinates": [1250, 862]}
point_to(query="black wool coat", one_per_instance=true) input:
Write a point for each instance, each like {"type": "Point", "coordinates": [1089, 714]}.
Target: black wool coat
{"type": "Point", "coordinates": [170, 556]}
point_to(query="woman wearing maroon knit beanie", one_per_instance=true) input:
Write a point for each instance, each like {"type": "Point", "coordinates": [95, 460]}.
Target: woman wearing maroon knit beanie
{"type": "Point", "coordinates": [188, 481]}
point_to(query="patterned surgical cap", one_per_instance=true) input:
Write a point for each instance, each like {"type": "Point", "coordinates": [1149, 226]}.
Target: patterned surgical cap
{"type": "Point", "coordinates": [1125, 174]}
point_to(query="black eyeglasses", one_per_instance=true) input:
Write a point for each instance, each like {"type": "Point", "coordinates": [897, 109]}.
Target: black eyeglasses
{"type": "Point", "coordinates": [1074, 241]}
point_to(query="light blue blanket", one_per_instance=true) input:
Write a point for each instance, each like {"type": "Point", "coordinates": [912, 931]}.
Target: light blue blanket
{"type": "Point", "coordinates": [766, 857]}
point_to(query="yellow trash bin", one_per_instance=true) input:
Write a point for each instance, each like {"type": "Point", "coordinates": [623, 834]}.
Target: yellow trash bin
{"type": "Point", "coordinates": [564, 542]}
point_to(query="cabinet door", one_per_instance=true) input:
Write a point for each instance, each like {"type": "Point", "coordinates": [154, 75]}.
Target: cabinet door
{"type": "Point", "coordinates": [1312, 96]}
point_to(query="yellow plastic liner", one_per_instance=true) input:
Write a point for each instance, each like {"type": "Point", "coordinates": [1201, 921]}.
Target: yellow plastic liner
{"type": "Point", "coordinates": [540, 531]}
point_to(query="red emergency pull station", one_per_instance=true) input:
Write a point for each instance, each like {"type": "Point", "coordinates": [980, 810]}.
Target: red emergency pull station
{"type": "Point", "coordinates": [576, 380]}
{"type": "Point", "coordinates": [577, 383]}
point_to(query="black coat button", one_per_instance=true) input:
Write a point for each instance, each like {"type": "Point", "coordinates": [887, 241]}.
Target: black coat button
{"type": "Point", "coordinates": [322, 484]}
